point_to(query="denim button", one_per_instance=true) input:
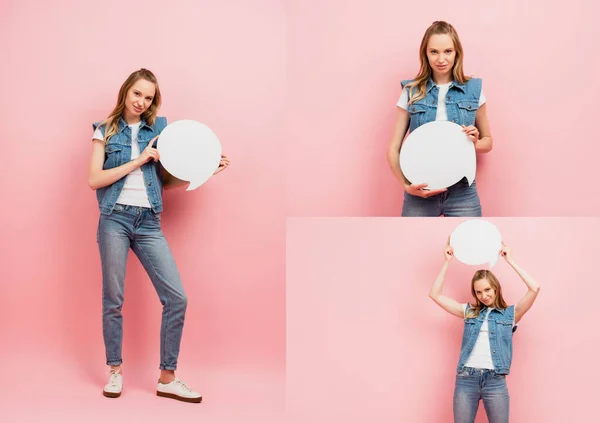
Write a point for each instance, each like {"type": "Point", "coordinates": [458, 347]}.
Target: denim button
{"type": "Point", "coordinates": [149, 183]}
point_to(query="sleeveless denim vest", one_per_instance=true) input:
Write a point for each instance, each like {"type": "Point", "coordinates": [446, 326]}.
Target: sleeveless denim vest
{"type": "Point", "coordinates": [462, 102]}
{"type": "Point", "coordinates": [118, 152]}
{"type": "Point", "coordinates": [500, 326]}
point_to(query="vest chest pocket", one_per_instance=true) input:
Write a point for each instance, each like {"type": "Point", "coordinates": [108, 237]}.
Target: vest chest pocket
{"type": "Point", "coordinates": [504, 327]}
{"type": "Point", "coordinates": [467, 110]}
{"type": "Point", "coordinates": [417, 114]}
{"type": "Point", "coordinates": [470, 325]}
{"type": "Point", "coordinates": [112, 153]}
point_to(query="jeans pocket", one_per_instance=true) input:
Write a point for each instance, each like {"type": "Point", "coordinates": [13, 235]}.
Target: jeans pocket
{"type": "Point", "coordinates": [464, 374]}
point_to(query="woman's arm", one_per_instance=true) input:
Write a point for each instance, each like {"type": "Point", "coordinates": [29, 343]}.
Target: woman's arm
{"type": "Point", "coordinates": [448, 304]}
{"type": "Point", "coordinates": [393, 155]}
{"type": "Point", "coordinates": [99, 178]}
{"type": "Point", "coordinates": [398, 134]}
{"type": "Point", "coordinates": [533, 288]}
{"type": "Point", "coordinates": [483, 142]}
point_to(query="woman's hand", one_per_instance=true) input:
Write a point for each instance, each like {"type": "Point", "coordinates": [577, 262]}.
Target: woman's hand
{"type": "Point", "coordinates": [149, 153]}
{"type": "Point", "coordinates": [506, 252]}
{"type": "Point", "coordinates": [448, 251]}
{"type": "Point", "coordinates": [472, 132]}
{"type": "Point", "coordinates": [222, 164]}
{"type": "Point", "coordinates": [420, 191]}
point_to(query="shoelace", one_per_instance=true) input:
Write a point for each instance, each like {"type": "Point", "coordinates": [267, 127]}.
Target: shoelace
{"type": "Point", "coordinates": [182, 385]}
{"type": "Point", "coordinates": [113, 376]}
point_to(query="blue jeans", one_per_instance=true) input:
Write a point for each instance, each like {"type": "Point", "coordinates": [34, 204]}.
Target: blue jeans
{"type": "Point", "coordinates": [460, 200]}
{"type": "Point", "coordinates": [475, 384]}
{"type": "Point", "coordinates": [138, 228]}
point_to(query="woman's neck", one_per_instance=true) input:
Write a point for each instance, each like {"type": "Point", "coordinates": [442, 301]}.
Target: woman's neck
{"type": "Point", "coordinates": [442, 79]}
{"type": "Point", "coordinates": [131, 120]}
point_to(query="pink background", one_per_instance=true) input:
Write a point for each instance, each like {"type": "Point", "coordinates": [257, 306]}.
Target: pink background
{"type": "Point", "coordinates": [346, 59]}
{"type": "Point", "coordinates": [366, 343]}
{"type": "Point", "coordinates": [221, 63]}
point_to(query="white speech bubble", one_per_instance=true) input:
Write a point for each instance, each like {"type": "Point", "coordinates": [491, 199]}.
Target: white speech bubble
{"type": "Point", "coordinates": [438, 154]}
{"type": "Point", "coordinates": [189, 151]}
{"type": "Point", "coordinates": [476, 242]}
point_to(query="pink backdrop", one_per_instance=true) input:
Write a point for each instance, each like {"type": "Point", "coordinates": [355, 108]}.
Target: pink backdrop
{"type": "Point", "coordinates": [345, 63]}
{"type": "Point", "coordinates": [365, 342]}
{"type": "Point", "coordinates": [222, 63]}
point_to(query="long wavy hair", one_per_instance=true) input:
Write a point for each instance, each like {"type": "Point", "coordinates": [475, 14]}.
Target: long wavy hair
{"type": "Point", "coordinates": [419, 84]}
{"type": "Point", "coordinates": [473, 311]}
{"type": "Point", "coordinates": [112, 121]}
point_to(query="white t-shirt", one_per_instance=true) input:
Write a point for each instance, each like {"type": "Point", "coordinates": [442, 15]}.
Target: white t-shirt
{"type": "Point", "coordinates": [134, 191]}
{"type": "Point", "coordinates": [442, 113]}
{"type": "Point", "coordinates": [481, 356]}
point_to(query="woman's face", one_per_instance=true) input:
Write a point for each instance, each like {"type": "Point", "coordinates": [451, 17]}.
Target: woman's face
{"type": "Point", "coordinates": [139, 98]}
{"type": "Point", "coordinates": [441, 54]}
{"type": "Point", "coordinates": [484, 292]}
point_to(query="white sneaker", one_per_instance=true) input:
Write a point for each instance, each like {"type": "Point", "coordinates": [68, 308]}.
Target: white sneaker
{"type": "Point", "coordinates": [177, 390]}
{"type": "Point", "coordinates": [115, 384]}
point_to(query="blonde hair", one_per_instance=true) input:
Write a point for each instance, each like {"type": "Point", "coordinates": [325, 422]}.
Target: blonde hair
{"type": "Point", "coordinates": [420, 81]}
{"type": "Point", "coordinates": [112, 121]}
{"type": "Point", "coordinates": [473, 311]}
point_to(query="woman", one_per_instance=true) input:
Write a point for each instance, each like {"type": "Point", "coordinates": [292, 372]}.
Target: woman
{"type": "Point", "coordinates": [128, 179]}
{"type": "Point", "coordinates": [441, 91]}
{"type": "Point", "coordinates": [486, 351]}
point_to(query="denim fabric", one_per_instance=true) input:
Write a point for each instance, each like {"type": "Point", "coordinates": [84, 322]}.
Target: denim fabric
{"type": "Point", "coordinates": [118, 152]}
{"type": "Point", "coordinates": [139, 228]}
{"type": "Point", "coordinates": [500, 326]}
{"type": "Point", "coordinates": [473, 385]}
{"type": "Point", "coordinates": [462, 102]}
{"type": "Point", "coordinates": [460, 200]}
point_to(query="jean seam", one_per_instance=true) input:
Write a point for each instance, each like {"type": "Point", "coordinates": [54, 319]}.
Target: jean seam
{"type": "Point", "coordinates": [168, 319]}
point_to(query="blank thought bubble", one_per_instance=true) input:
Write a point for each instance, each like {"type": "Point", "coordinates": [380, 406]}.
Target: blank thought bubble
{"type": "Point", "coordinates": [438, 154]}
{"type": "Point", "coordinates": [190, 151]}
{"type": "Point", "coordinates": [476, 242]}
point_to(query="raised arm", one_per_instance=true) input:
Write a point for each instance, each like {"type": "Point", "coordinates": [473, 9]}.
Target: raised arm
{"type": "Point", "coordinates": [448, 304]}
{"type": "Point", "coordinates": [533, 288]}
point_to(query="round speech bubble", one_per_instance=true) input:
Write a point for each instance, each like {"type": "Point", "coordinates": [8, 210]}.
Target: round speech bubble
{"type": "Point", "coordinates": [189, 151]}
{"type": "Point", "coordinates": [476, 242]}
{"type": "Point", "coordinates": [438, 154]}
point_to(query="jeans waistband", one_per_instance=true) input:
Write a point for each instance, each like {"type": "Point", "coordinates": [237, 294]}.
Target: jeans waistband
{"type": "Point", "coordinates": [131, 209]}
{"type": "Point", "coordinates": [473, 370]}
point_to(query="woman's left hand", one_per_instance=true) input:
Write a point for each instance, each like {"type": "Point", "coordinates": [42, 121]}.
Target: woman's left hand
{"type": "Point", "coordinates": [222, 164]}
{"type": "Point", "coordinates": [506, 252]}
{"type": "Point", "coordinates": [472, 132]}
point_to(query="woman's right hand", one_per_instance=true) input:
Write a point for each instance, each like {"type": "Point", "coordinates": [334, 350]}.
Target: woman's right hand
{"type": "Point", "coordinates": [149, 153]}
{"type": "Point", "coordinates": [419, 191]}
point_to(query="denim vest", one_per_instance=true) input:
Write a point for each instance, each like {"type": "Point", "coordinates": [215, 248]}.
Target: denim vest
{"type": "Point", "coordinates": [462, 102]}
{"type": "Point", "coordinates": [500, 326]}
{"type": "Point", "coordinates": [118, 152]}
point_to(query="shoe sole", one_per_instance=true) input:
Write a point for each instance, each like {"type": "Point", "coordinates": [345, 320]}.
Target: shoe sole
{"type": "Point", "coordinates": [177, 397]}
{"type": "Point", "coordinates": [111, 394]}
